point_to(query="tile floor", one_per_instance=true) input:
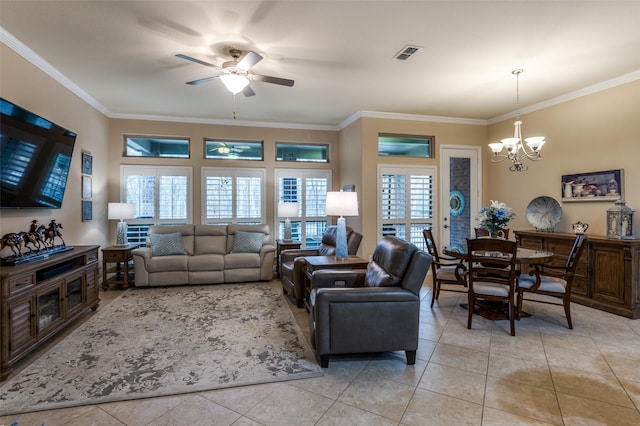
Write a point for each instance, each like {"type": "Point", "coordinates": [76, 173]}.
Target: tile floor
{"type": "Point", "coordinates": [545, 375]}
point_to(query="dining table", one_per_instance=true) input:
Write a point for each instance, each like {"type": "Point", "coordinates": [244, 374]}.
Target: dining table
{"type": "Point", "coordinates": [524, 256]}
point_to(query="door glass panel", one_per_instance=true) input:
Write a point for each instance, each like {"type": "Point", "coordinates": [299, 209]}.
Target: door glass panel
{"type": "Point", "coordinates": [459, 206]}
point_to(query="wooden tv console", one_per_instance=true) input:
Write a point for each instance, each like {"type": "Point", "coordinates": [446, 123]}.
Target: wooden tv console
{"type": "Point", "coordinates": [40, 298]}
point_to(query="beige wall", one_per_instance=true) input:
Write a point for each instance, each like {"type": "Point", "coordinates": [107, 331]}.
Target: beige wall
{"type": "Point", "coordinates": [27, 86]}
{"type": "Point", "coordinates": [197, 133]}
{"type": "Point", "coordinates": [593, 133]}
{"type": "Point", "coordinates": [350, 154]}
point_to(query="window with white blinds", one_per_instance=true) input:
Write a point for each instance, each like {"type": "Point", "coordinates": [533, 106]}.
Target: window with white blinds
{"type": "Point", "coordinates": [161, 195]}
{"type": "Point", "coordinates": [406, 199]}
{"type": "Point", "coordinates": [309, 189]}
{"type": "Point", "coordinates": [233, 195]}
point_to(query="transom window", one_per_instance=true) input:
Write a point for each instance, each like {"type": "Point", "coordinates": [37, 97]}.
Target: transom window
{"type": "Point", "coordinates": [405, 145]}
{"type": "Point", "coordinates": [227, 149]}
{"type": "Point", "coordinates": [156, 146]}
{"type": "Point", "coordinates": [310, 153]}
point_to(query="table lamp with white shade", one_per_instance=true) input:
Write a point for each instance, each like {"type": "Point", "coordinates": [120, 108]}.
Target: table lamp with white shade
{"type": "Point", "coordinates": [287, 210]}
{"type": "Point", "coordinates": [342, 204]}
{"type": "Point", "coordinates": [121, 211]}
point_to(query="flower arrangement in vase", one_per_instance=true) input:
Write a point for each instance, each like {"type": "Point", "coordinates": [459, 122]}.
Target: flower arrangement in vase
{"type": "Point", "coordinates": [495, 217]}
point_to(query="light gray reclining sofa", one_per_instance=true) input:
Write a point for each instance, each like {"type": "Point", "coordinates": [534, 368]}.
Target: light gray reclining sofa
{"type": "Point", "coordinates": [204, 254]}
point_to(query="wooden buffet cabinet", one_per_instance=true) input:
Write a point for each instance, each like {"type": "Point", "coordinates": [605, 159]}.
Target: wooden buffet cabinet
{"type": "Point", "coordinates": [41, 297]}
{"type": "Point", "coordinates": [608, 274]}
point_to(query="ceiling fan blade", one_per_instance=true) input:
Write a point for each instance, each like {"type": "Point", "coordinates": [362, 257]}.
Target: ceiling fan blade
{"type": "Point", "coordinates": [249, 60]}
{"type": "Point", "coordinates": [248, 91]}
{"type": "Point", "coordinates": [202, 80]}
{"type": "Point", "coordinates": [197, 61]}
{"type": "Point", "coordinates": [274, 80]}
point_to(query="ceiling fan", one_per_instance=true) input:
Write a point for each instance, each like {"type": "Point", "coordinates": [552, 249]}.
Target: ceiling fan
{"type": "Point", "coordinates": [235, 73]}
{"type": "Point", "coordinates": [223, 148]}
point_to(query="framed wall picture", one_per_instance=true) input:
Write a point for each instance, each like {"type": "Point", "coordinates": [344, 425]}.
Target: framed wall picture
{"type": "Point", "coordinates": [86, 187]}
{"type": "Point", "coordinates": [87, 163]}
{"type": "Point", "coordinates": [593, 186]}
{"type": "Point", "coordinates": [87, 210]}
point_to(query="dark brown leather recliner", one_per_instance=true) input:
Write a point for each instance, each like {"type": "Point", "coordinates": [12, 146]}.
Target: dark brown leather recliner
{"type": "Point", "coordinates": [372, 310]}
{"type": "Point", "coordinates": [292, 264]}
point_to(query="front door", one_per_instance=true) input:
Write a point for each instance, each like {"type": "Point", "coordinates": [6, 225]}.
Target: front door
{"type": "Point", "coordinates": [460, 195]}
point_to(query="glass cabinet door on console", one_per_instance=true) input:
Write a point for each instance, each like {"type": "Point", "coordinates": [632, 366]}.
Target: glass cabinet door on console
{"type": "Point", "coordinates": [74, 292]}
{"type": "Point", "coordinates": [49, 304]}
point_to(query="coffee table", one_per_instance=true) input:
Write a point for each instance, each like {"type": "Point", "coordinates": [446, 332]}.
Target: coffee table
{"type": "Point", "coordinates": [315, 263]}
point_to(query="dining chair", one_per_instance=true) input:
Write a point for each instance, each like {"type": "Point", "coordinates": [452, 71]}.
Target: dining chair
{"type": "Point", "coordinates": [551, 280]}
{"type": "Point", "coordinates": [503, 233]}
{"type": "Point", "coordinates": [444, 269]}
{"type": "Point", "coordinates": [493, 282]}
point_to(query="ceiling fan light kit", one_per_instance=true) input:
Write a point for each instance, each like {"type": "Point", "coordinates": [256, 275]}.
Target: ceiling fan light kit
{"type": "Point", "coordinates": [235, 73]}
{"type": "Point", "coordinates": [235, 83]}
{"type": "Point", "coordinates": [514, 147]}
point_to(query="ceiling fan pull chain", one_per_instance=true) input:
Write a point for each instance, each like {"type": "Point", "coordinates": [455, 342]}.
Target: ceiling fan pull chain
{"type": "Point", "coordinates": [234, 107]}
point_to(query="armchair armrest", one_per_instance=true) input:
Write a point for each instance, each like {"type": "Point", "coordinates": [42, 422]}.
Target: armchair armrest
{"type": "Point", "coordinates": [290, 254]}
{"type": "Point", "coordinates": [364, 294]}
{"type": "Point", "coordinates": [331, 278]}
{"type": "Point", "coordinates": [550, 270]}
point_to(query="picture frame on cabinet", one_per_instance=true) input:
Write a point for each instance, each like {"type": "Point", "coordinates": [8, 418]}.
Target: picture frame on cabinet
{"type": "Point", "coordinates": [606, 185]}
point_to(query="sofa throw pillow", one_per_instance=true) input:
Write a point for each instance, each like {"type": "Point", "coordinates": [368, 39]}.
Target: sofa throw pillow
{"type": "Point", "coordinates": [166, 244]}
{"type": "Point", "coordinates": [247, 242]}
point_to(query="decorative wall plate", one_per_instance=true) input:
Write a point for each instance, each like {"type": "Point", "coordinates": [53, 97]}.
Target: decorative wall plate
{"type": "Point", "coordinates": [544, 213]}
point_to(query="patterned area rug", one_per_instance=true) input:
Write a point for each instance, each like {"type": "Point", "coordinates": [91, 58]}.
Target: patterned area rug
{"type": "Point", "coordinates": [160, 341]}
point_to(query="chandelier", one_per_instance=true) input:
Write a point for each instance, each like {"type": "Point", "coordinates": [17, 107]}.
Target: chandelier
{"type": "Point", "coordinates": [515, 149]}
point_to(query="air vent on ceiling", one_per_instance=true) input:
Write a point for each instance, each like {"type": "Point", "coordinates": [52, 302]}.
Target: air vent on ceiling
{"type": "Point", "coordinates": [406, 52]}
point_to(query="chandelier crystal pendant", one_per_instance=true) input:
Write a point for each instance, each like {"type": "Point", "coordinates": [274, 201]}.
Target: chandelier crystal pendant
{"type": "Point", "coordinates": [515, 149]}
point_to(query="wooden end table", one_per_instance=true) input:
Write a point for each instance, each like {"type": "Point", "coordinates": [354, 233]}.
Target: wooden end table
{"type": "Point", "coordinates": [315, 263]}
{"type": "Point", "coordinates": [122, 272]}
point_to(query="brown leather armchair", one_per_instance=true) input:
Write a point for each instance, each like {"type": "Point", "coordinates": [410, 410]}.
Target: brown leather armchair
{"type": "Point", "coordinates": [372, 310]}
{"type": "Point", "coordinates": [292, 264]}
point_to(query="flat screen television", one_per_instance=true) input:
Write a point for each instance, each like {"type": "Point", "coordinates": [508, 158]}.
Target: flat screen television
{"type": "Point", "coordinates": [35, 157]}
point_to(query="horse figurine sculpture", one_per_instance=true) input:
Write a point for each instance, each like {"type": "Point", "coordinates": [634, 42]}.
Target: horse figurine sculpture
{"type": "Point", "coordinates": [13, 241]}
{"type": "Point", "coordinates": [32, 241]}
{"type": "Point", "coordinates": [52, 232]}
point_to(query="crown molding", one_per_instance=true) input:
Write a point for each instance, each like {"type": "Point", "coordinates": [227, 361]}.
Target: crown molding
{"type": "Point", "coordinates": [21, 49]}
{"type": "Point", "coordinates": [409, 117]}
{"type": "Point", "coordinates": [599, 87]}
{"type": "Point", "coordinates": [225, 122]}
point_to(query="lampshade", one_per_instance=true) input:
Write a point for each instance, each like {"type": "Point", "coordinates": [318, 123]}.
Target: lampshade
{"type": "Point", "coordinates": [121, 211]}
{"type": "Point", "coordinates": [234, 82]}
{"type": "Point", "coordinates": [342, 204]}
{"type": "Point", "coordinates": [287, 209]}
